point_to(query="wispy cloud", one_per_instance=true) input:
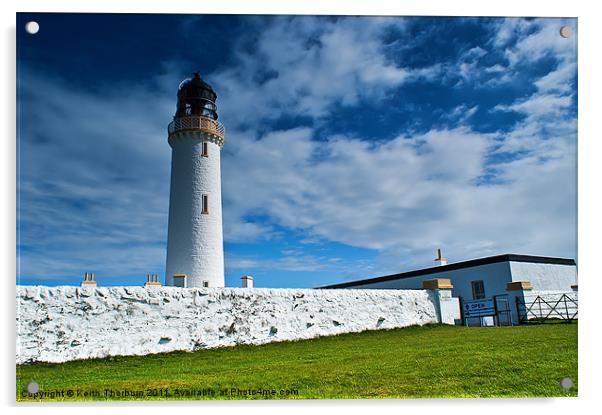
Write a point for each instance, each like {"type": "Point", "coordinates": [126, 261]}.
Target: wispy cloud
{"type": "Point", "coordinates": [304, 65]}
{"type": "Point", "coordinates": [411, 193]}
{"type": "Point", "coordinates": [92, 179]}
{"type": "Point", "coordinates": [407, 195]}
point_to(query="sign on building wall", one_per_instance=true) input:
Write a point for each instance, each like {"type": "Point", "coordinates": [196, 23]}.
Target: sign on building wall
{"type": "Point", "coordinates": [479, 308]}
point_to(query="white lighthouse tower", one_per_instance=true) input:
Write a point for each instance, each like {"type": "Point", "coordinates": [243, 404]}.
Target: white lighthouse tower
{"type": "Point", "coordinates": [195, 248]}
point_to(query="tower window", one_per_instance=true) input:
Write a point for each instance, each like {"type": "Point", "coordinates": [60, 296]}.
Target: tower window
{"type": "Point", "coordinates": [205, 151]}
{"type": "Point", "coordinates": [205, 210]}
{"type": "Point", "coordinates": [205, 284]}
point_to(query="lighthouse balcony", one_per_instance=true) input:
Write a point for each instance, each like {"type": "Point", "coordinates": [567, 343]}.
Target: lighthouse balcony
{"type": "Point", "coordinates": [197, 123]}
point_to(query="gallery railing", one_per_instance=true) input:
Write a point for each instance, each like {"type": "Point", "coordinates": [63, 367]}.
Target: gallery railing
{"type": "Point", "coordinates": [197, 123]}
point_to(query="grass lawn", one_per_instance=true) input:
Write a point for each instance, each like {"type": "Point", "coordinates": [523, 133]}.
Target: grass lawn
{"type": "Point", "coordinates": [416, 362]}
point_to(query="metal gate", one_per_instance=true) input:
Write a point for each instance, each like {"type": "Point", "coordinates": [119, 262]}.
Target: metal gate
{"type": "Point", "coordinates": [503, 311]}
{"type": "Point", "coordinates": [548, 307]}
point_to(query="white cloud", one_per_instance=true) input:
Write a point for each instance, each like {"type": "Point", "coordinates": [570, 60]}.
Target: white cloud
{"type": "Point", "coordinates": [308, 64]}
{"type": "Point", "coordinates": [470, 69]}
{"type": "Point", "coordinates": [461, 114]}
{"type": "Point", "coordinates": [540, 105]}
{"type": "Point", "coordinates": [549, 124]}
{"type": "Point", "coordinates": [93, 179]}
{"type": "Point", "coordinates": [509, 29]}
{"type": "Point", "coordinates": [541, 37]}
{"type": "Point", "coordinates": [559, 80]}
{"type": "Point", "coordinates": [408, 195]}
{"type": "Point", "coordinates": [523, 43]}
{"type": "Point", "coordinates": [289, 261]}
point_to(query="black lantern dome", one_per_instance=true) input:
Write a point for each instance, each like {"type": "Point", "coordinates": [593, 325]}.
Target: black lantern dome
{"type": "Point", "coordinates": [196, 97]}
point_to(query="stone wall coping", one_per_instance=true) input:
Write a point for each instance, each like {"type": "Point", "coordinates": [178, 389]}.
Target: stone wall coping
{"type": "Point", "coordinates": [437, 283]}
{"type": "Point", "coordinates": [519, 285]}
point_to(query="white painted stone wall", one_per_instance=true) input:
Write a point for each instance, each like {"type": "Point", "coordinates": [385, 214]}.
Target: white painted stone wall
{"type": "Point", "coordinates": [540, 308]}
{"type": "Point", "coordinates": [58, 324]}
{"type": "Point", "coordinates": [550, 295]}
{"type": "Point", "coordinates": [553, 304]}
{"type": "Point", "coordinates": [195, 244]}
{"type": "Point", "coordinates": [548, 277]}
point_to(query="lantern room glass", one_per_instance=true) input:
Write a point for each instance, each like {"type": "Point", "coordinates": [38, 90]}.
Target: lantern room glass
{"type": "Point", "coordinates": [196, 97]}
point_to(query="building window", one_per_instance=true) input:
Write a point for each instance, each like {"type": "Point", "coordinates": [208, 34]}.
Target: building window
{"type": "Point", "coordinates": [205, 284]}
{"type": "Point", "coordinates": [205, 210]}
{"type": "Point", "coordinates": [478, 290]}
{"type": "Point", "coordinates": [205, 152]}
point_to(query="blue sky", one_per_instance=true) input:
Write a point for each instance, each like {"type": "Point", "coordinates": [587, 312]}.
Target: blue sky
{"type": "Point", "coordinates": [355, 145]}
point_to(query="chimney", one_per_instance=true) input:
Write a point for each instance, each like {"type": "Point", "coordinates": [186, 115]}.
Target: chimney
{"type": "Point", "coordinates": [247, 281]}
{"type": "Point", "coordinates": [440, 260]}
{"type": "Point", "coordinates": [88, 280]}
{"type": "Point", "coordinates": [152, 279]}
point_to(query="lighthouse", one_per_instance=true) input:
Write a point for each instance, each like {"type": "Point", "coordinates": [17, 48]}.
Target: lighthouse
{"type": "Point", "coordinates": [195, 248]}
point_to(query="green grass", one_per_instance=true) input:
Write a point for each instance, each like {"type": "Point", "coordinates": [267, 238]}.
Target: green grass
{"type": "Point", "coordinates": [415, 362]}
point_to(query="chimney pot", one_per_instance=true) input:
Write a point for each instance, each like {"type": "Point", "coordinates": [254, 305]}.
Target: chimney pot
{"type": "Point", "coordinates": [247, 281]}
{"type": "Point", "coordinates": [440, 260]}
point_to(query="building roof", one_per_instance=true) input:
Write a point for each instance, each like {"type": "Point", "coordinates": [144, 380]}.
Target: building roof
{"type": "Point", "coordinates": [455, 266]}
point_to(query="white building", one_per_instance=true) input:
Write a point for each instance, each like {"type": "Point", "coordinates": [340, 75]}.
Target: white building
{"type": "Point", "coordinates": [195, 249]}
{"type": "Point", "coordinates": [486, 277]}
